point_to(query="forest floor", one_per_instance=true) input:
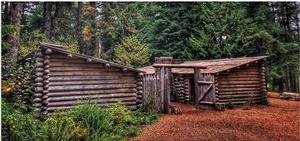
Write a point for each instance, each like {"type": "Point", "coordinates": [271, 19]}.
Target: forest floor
{"type": "Point", "coordinates": [277, 121]}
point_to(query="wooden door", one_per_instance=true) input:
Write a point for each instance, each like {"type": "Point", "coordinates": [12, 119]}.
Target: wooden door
{"type": "Point", "coordinates": [205, 92]}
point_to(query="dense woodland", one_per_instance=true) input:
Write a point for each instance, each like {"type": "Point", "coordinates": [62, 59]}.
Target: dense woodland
{"type": "Point", "coordinates": [134, 33]}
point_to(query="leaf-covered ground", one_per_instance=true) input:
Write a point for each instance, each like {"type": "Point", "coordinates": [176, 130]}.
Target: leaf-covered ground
{"type": "Point", "coordinates": [277, 121]}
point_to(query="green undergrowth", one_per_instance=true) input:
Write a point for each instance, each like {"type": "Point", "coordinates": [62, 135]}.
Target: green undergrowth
{"type": "Point", "coordinates": [88, 122]}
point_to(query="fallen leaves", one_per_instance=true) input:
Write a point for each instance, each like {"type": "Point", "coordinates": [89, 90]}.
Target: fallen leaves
{"type": "Point", "coordinates": [277, 121]}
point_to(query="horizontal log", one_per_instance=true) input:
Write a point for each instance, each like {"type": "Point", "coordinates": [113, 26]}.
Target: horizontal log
{"type": "Point", "coordinates": [238, 82]}
{"type": "Point", "coordinates": [91, 97]}
{"type": "Point", "coordinates": [37, 100]}
{"type": "Point", "coordinates": [238, 79]}
{"type": "Point", "coordinates": [127, 104]}
{"type": "Point", "coordinates": [37, 109]}
{"type": "Point", "coordinates": [92, 82]}
{"type": "Point", "coordinates": [255, 72]}
{"type": "Point", "coordinates": [239, 76]}
{"type": "Point", "coordinates": [85, 64]}
{"type": "Point", "coordinates": [89, 73]}
{"type": "Point", "coordinates": [90, 87]}
{"type": "Point", "coordinates": [238, 89]}
{"type": "Point", "coordinates": [39, 64]}
{"type": "Point", "coordinates": [37, 104]}
{"type": "Point", "coordinates": [38, 95]}
{"type": "Point", "coordinates": [84, 78]}
{"type": "Point", "coordinates": [240, 92]}
{"type": "Point", "coordinates": [39, 89]}
{"type": "Point", "coordinates": [80, 68]}
{"type": "Point", "coordinates": [103, 101]}
{"type": "Point", "coordinates": [238, 95]}
{"type": "Point", "coordinates": [39, 84]}
{"type": "Point", "coordinates": [92, 92]}
{"type": "Point", "coordinates": [239, 99]}
{"type": "Point", "coordinates": [39, 69]}
{"type": "Point", "coordinates": [239, 86]}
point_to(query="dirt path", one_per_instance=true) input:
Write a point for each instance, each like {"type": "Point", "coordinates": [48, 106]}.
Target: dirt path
{"type": "Point", "coordinates": [278, 121]}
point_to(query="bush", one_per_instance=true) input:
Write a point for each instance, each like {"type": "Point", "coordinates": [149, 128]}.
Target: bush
{"type": "Point", "coordinates": [88, 122]}
{"type": "Point", "coordinates": [21, 126]}
{"type": "Point", "coordinates": [149, 104]}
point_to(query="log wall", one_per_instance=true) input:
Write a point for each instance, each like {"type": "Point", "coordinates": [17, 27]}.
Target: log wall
{"type": "Point", "coordinates": [241, 84]}
{"type": "Point", "coordinates": [63, 81]}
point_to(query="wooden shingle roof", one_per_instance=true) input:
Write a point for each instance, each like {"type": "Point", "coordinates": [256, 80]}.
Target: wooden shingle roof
{"type": "Point", "coordinates": [60, 49]}
{"type": "Point", "coordinates": [212, 66]}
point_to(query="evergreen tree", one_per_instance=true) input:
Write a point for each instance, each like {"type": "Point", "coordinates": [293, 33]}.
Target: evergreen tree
{"type": "Point", "coordinates": [132, 52]}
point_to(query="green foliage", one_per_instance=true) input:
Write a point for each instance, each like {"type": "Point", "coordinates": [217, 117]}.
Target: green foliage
{"type": "Point", "coordinates": [20, 125]}
{"type": "Point", "coordinates": [17, 81]}
{"type": "Point", "coordinates": [132, 52]}
{"type": "Point", "coordinates": [62, 127]}
{"type": "Point", "coordinates": [88, 122]}
{"type": "Point", "coordinates": [149, 104]}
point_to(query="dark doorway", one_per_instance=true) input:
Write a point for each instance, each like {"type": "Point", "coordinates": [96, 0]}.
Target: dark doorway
{"type": "Point", "coordinates": [192, 90]}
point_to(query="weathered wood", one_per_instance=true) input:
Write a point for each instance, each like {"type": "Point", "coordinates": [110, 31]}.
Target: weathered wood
{"type": "Point", "coordinates": [205, 82]}
{"type": "Point", "coordinates": [178, 66]}
{"type": "Point", "coordinates": [89, 87]}
{"type": "Point", "coordinates": [92, 82]}
{"type": "Point", "coordinates": [89, 73]}
{"type": "Point", "coordinates": [238, 89]}
{"type": "Point", "coordinates": [197, 89]}
{"type": "Point", "coordinates": [205, 92]}
{"type": "Point", "coordinates": [89, 97]}
{"type": "Point", "coordinates": [84, 78]}
{"type": "Point", "coordinates": [66, 103]}
{"type": "Point", "coordinates": [93, 92]}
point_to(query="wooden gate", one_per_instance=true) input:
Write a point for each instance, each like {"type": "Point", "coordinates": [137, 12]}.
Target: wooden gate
{"type": "Point", "coordinates": [206, 89]}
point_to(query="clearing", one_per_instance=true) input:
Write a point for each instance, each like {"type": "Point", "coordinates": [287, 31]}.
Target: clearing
{"type": "Point", "coordinates": [278, 121]}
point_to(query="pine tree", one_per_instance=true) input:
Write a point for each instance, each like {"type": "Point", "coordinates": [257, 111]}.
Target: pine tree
{"type": "Point", "coordinates": [131, 52]}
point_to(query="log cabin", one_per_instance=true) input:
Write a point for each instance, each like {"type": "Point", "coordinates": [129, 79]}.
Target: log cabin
{"type": "Point", "coordinates": [219, 81]}
{"type": "Point", "coordinates": [64, 79]}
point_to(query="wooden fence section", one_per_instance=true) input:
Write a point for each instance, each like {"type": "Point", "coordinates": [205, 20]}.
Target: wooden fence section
{"type": "Point", "coordinates": [150, 87]}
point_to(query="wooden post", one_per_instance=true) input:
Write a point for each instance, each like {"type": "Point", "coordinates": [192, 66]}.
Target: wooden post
{"type": "Point", "coordinates": [167, 90]}
{"type": "Point", "coordinates": [162, 88]}
{"type": "Point", "coordinates": [196, 79]}
{"type": "Point", "coordinates": [158, 89]}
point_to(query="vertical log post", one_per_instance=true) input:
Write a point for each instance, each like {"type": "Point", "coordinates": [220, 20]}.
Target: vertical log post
{"type": "Point", "coordinates": [167, 90]}
{"type": "Point", "coordinates": [48, 51]}
{"type": "Point", "coordinates": [197, 90]}
{"type": "Point", "coordinates": [158, 89]}
{"type": "Point", "coordinates": [140, 89]}
{"type": "Point", "coordinates": [39, 82]}
{"type": "Point", "coordinates": [263, 84]}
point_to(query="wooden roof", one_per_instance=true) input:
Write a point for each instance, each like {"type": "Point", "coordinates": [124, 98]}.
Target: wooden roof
{"type": "Point", "coordinates": [60, 49]}
{"type": "Point", "coordinates": [212, 66]}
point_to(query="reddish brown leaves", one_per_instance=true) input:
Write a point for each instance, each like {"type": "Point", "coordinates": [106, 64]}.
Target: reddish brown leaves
{"type": "Point", "coordinates": [278, 121]}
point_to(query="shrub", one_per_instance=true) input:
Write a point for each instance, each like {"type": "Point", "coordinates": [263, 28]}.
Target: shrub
{"type": "Point", "coordinates": [21, 126]}
{"type": "Point", "coordinates": [149, 104]}
{"type": "Point", "coordinates": [62, 127]}
{"type": "Point", "coordinates": [88, 122]}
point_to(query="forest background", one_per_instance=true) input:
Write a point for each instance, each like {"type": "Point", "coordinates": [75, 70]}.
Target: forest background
{"type": "Point", "coordinates": [133, 33]}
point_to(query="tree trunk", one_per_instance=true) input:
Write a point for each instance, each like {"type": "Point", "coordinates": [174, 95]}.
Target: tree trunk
{"type": "Point", "coordinates": [79, 28]}
{"type": "Point", "coordinates": [47, 19]}
{"type": "Point", "coordinates": [15, 10]}
{"type": "Point", "coordinates": [91, 45]}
